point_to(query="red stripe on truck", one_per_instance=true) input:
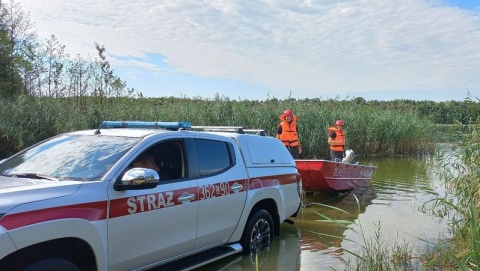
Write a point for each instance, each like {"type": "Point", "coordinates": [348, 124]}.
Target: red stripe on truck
{"type": "Point", "coordinates": [91, 211]}
{"type": "Point", "coordinates": [95, 211]}
{"type": "Point", "coordinates": [257, 183]}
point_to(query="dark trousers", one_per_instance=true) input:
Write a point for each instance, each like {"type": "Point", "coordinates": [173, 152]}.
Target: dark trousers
{"type": "Point", "coordinates": [336, 156]}
{"type": "Point", "coordinates": [293, 151]}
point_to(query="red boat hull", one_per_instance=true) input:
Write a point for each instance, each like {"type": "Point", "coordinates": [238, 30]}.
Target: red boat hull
{"type": "Point", "coordinates": [328, 175]}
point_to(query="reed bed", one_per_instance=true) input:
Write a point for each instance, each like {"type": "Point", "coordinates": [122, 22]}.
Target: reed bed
{"type": "Point", "coordinates": [369, 130]}
{"type": "Point", "coordinates": [461, 175]}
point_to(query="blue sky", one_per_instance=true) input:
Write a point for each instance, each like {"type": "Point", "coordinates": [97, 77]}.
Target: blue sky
{"type": "Point", "coordinates": [255, 50]}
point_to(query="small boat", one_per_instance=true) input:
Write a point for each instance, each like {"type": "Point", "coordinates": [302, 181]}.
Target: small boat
{"type": "Point", "coordinates": [322, 175]}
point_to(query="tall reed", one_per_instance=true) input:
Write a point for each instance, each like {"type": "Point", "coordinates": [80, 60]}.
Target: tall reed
{"type": "Point", "coordinates": [369, 130]}
{"type": "Point", "coordinates": [461, 175]}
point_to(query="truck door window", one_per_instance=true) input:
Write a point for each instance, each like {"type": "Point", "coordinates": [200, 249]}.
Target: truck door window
{"type": "Point", "coordinates": [169, 159]}
{"type": "Point", "coordinates": [213, 156]}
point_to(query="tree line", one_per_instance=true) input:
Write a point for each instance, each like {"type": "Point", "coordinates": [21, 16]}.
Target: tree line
{"type": "Point", "coordinates": [43, 69]}
{"type": "Point", "coordinates": [447, 112]}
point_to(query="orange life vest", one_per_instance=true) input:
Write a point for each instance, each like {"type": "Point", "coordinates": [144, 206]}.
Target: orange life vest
{"type": "Point", "coordinates": [289, 135]}
{"type": "Point", "coordinates": [340, 136]}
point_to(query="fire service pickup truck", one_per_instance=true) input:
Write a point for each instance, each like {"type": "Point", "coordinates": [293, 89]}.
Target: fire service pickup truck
{"type": "Point", "coordinates": [144, 195]}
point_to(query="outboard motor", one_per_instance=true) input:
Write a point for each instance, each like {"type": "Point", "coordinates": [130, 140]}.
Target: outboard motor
{"type": "Point", "coordinates": [349, 155]}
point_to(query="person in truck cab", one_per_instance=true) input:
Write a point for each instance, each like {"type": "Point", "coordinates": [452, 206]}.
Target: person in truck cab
{"type": "Point", "coordinates": [287, 132]}
{"type": "Point", "coordinates": [147, 160]}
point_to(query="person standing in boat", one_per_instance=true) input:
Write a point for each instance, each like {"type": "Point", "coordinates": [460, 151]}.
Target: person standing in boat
{"type": "Point", "coordinates": [337, 141]}
{"type": "Point", "coordinates": [287, 132]}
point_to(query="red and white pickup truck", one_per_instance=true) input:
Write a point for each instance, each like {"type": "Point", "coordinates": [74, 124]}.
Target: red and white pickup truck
{"type": "Point", "coordinates": [76, 201]}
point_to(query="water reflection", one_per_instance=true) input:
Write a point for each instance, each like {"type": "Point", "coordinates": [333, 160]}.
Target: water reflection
{"type": "Point", "coordinates": [392, 204]}
{"type": "Point", "coordinates": [322, 237]}
{"type": "Point", "coordinates": [282, 254]}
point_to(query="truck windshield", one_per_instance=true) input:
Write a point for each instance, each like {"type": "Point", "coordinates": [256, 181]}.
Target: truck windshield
{"type": "Point", "coordinates": [68, 157]}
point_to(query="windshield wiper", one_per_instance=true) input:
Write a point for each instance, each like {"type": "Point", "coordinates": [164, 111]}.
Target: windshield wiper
{"type": "Point", "coordinates": [32, 176]}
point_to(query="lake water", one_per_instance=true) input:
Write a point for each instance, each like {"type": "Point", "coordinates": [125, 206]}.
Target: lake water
{"type": "Point", "coordinates": [391, 211]}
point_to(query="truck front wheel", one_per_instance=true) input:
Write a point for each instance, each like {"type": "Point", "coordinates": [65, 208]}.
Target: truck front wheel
{"type": "Point", "coordinates": [52, 265]}
{"type": "Point", "coordinates": [258, 232]}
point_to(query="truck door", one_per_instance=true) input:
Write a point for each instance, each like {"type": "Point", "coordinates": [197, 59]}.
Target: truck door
{"type": "Point", "coordinates": [221, 190]}
{"type": "Point", "coordinates": [151, 225]}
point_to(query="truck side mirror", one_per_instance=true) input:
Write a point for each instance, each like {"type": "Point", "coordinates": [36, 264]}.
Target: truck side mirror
{"type": "Point", "coordinates": [136, 179]}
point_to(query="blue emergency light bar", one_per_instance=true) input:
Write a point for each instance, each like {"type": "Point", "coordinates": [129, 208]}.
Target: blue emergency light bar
{"type": "Point", "coordinates": [147, 124]}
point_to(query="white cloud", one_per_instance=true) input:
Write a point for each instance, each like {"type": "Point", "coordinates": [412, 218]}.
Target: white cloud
{"type": "Point", "coordinates": [313, 48]}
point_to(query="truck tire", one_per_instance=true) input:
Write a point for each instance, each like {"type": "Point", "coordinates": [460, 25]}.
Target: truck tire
{"type": "Point", "coordinates": [52, 265]}
{"type": "Point", "coordinates": [258, 232]}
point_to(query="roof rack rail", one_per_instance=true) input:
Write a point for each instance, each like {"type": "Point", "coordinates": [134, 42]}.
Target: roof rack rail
{"type": "Point", "coordinates": [175, 126]}
{"type": "Point", "coordinates": [236, 129]}
{"type": "Point", "coordinates": [168, 125]}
